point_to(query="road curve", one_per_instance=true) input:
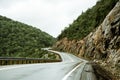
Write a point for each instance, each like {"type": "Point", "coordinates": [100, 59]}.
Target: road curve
{"type": "Point", "coordinates": [71, 68]}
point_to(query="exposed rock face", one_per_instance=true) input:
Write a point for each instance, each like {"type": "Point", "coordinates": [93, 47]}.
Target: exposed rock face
{"type": "Point", "coordinates": [102, 44]}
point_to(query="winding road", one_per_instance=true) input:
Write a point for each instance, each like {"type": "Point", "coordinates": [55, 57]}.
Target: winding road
{"type": "Point", "coordinates": [71, 68]}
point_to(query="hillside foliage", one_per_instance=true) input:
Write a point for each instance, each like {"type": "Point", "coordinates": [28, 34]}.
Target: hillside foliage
{"type": "Point", "coordinates": [88, 20]}
{"type": "Point", "coordinates": [21, 40]}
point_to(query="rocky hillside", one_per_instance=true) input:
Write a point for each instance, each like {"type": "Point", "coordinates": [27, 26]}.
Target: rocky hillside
{"type": "Point", "coordinates": [102, 45]}
{"type": "Point", "coordinates": [88, 20]}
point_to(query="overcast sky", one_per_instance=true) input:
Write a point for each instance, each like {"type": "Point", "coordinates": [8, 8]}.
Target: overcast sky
{"type": "Point", "coordinates": [50, 16]}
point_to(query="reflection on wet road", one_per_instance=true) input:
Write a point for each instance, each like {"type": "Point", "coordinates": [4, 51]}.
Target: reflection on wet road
{"type": "Point", "coordinates": [70, 68]}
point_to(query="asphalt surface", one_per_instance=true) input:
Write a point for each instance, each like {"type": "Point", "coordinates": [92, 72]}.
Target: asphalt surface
{"type": "Point", "coordinates": [71, 68]}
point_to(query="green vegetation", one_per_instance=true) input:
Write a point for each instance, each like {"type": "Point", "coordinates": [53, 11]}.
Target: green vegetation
{"type": "Point", "coordinates": [21, 40]}
{"type": "Point", "coordinates": [88, 20]}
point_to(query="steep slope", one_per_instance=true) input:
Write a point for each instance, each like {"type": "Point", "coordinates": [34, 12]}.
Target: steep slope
{"type": "Point", "coordinates": [21, 40]}
{"type": "Point", "coordinates": [88, 20]}
{"type": "Point", "coordinates": [102, 45]}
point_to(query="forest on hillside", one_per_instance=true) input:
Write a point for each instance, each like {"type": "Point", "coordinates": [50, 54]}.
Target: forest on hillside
{"type": "Point", "coordinates": [88, 20]}
{"type": "Point", "coordinates": [21, 40]}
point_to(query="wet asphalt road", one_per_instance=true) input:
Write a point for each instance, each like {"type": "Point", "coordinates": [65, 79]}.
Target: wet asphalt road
{"type": "Point", "coordinates": [70, 68]}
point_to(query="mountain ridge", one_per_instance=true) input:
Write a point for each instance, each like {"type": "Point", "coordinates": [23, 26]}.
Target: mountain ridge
{"type": "Point", "coordinates": [21, 40]}
{"type": "Point", "coordinates": [88, 21]}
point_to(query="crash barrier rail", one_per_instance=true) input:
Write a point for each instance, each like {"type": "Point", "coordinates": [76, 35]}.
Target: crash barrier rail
{"type": "Point", "coordinates": [11, 61]}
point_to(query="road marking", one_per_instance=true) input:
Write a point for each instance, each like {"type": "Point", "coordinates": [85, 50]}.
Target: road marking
{"type": "Point", "coordinates": [62, 55]}
{"type": "Point", "coordinates": [13, 67]}
{"type": "Point", "coordinates": [66, 76]}
{"type": "Point", "coordinates": [20, 66]}
{"type": "Point", "coordinates": [7, 68]}
{"type": "Point", "coordinates": [71, 59]}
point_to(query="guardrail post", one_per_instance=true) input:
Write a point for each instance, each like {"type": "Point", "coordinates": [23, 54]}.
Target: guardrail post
{"type": "Point", "coordinates": [0, 62]}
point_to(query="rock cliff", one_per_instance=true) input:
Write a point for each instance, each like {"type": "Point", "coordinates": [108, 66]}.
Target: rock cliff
{"type": "Point", "coordinates": [103, 44]}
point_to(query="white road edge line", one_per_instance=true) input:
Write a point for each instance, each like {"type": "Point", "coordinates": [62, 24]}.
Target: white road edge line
{"type": "Point", "coordinates": [66, 76]}
{"type": "Point", "coordinates": [71, 59]}
{"type": "Point", "coordinates": [13, 67]}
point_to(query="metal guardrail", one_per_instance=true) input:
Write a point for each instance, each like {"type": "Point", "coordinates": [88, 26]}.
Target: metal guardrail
{"type": "Point", "coordinates": [11, 61]}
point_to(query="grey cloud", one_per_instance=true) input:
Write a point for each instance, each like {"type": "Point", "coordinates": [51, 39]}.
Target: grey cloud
{"type": "Point", "coordinates": [50, 16]}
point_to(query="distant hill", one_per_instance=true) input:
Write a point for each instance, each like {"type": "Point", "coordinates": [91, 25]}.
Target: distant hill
{"type": "Point", "coordinates": [21, 40]}
{"type": "Point", "coordinates": [88, 20]}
